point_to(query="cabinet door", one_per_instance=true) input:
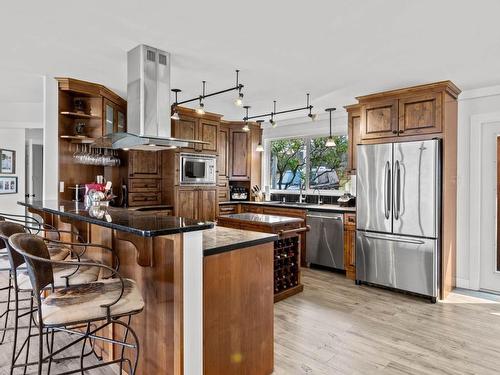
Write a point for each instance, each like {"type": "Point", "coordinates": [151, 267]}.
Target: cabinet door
{"type": "Point", "coordinates": [350, 245]}
{"type": "Point", "coordinates": [109, 117]}
{"type": "Point", "coordinates": [144, 164]}
{"type": "Point", "coordinates": [208, 131]}
{"type": "Point", "coordinates": [420, 114]}
{"type": "Point", "coordinates": [207, 209]}
{"type": "Point", "coordinates": [187, 203]}
{"type": "Point", "coordinates": [379, 119]}
{"type": "Point", "coordinates": [353, 137]}
{"type": "Point", "coordinates": [223, 158]}
{"type": "Point", "coordinates": [185, 128]}
{"type": "Point", "coordinates": [121, 120]}
{"type": "Point", "coordinates": [239, 155]}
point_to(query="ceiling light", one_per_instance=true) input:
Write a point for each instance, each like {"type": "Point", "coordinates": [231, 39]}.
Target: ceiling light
{"type": "Point", "coordinates": [175, 116]}
{"type": "Point", "coordinates": [313, 116]}
{"type": "Point", "coordinates": [201, 108]}
{"type": "Point", "coordinates": [330, 142]}
{"type": "Point", "coordinates": [239, 99]}
{"type": "Point", "coordinates": [246, 128]}
{"type": "Point", "coordinates": [273, 122]}
{"type": "Point", "coordinates": [259, 148]}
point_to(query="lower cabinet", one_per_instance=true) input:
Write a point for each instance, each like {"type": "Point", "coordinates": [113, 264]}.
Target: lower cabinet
{"type": "Point", "coordinates": [198, 203]}
{"type": "Point", "coordinates": [350, 245]}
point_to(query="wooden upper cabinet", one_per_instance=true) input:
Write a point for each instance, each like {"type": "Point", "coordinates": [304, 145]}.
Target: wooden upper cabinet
{"type": "Point", "coordinates": [144, 164]}
{"type": "Point", "coordinates": [208, 132]}
{"type": "Point", "coordinates": [379, 119]}
{"type": "Point", "coordinates": [185, 128]}
{"type": "Point", "coordinates": [114, 117]}
{"type": "Point", "coordinates": [223, 158]}
{"type": "Point", "coordinates": [239, 142]}
{"type": "Point", "coordinates": [353, 136]}
{"type": "Point", "coordinates": [420, 114]}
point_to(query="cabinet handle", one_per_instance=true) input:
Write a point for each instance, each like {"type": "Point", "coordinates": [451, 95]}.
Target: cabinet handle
{"type": "Point", "coordinates": [394, 132]}
{"type": "Point", "coordinates": [401, 131]}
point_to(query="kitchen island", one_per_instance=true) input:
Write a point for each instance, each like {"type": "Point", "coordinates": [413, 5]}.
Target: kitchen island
{"type": "Point", "coordinates": [194, 296]}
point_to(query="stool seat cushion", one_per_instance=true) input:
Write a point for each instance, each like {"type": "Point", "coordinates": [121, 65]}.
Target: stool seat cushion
{"type": "Point", "coordinates": [58, 252]}
{"type": "Point", "coordinates": [82, 303]}
{"type": "Point", "coordinates": [83, 275]}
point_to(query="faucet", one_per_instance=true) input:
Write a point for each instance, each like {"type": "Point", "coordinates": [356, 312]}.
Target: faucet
{"type": "Point", "coordinates": [301, 199]}
{"type": "Point", "coordinates": [320, 202]}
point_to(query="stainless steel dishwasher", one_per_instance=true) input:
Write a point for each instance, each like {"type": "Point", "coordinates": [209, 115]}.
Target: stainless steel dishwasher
{"type": "Point", "coordinates": [325, 240]}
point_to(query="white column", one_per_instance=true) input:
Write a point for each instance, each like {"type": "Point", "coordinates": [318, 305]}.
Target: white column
{"type": "Point", "coordinates": [193, 302]}
{"type": "Point", "coordinates": [50, 141]}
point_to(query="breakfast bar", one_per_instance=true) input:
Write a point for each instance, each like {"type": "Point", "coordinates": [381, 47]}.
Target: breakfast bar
{"type": "Point", "coordinates": [194, 279]}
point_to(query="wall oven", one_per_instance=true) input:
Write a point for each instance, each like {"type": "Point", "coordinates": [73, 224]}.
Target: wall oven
{"type": "Point", "coordinates": [197, 169]}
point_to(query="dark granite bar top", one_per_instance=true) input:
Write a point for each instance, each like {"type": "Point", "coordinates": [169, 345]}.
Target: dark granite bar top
{"type": "Point", "coordinates": [141, 223]}
{"type": "Point", "coordinates": [263, 219]}
{"type": "Point", "coordinates": [221, 239]}
{"type": "Point", "coordinates": [299, 206]}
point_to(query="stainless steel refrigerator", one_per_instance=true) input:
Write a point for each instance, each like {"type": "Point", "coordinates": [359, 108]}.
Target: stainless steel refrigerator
{"type": "Point", "coordinates": [398, 215]}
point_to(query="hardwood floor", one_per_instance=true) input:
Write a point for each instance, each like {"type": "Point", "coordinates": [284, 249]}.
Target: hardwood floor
{"type": "Point", "coordinates": [335, 327]}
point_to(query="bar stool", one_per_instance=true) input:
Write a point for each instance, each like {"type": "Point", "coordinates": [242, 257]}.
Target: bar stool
{"type": "Point", "coordinates": [104, 300]}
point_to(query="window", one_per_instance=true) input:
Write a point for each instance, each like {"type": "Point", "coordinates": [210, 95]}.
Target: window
{"type": "Point", "coordinates": [307, 162]}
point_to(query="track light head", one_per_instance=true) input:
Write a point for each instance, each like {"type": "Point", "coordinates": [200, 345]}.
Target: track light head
{"type": "Point", "coordinates": [201, 108]}
{"type": "Point", "coordinates": [330, 142]}
{"type": "Point", "coordinates": [313, 116]}
{"type": "Point", "coordinates": [246, 128]}
{"type": "Point", "coordinates": [239, 100]}
{"type": "Point", "coordinates": [175, 116]}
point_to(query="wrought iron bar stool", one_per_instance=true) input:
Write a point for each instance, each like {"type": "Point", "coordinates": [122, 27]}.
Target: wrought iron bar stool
{"type": "Point", "coordinates": [63, 278]}
{"type": "Point", "coordinates": [103, 303]}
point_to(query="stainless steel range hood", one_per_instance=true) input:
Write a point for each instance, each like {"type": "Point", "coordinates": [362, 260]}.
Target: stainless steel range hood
{"type": "Point", "coordinates": [148, 104]}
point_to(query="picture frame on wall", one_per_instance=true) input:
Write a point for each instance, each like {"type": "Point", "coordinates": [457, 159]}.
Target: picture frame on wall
{"type": "Point", "coordinates": [7, 161]}
{"type": "Point", "coordinates": [8, 185]}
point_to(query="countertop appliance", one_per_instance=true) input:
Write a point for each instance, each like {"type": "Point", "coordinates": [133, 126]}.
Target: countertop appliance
{"type": "Point", "coordinates": [398, 213]}
{"type": "Point", "coordinates": [325, 240]}
{"type": "Point", "coordinates": [239, 193]}
{"type": "Point", "coordinates": [346, 200]}
{"type": "Point", "coordinates": [197, 169]}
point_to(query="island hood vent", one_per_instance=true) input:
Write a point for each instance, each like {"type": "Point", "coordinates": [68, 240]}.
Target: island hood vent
{"type": "Point", "coordinates": [148, 104]}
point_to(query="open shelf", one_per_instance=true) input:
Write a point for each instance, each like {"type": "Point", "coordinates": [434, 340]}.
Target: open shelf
{"type": "Point", "coordinates": [79, 115]}
{"type": "Point", "coordinates": [78, 138]}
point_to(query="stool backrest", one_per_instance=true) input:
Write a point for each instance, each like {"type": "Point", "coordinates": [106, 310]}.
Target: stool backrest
{"type": "Point", "coordinates": [31, 247]}
{"type": "Point", "coordinates": [7, 229]}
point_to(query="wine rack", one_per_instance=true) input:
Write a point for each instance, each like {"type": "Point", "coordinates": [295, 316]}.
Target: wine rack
{"type": "Point", "coordinates": [286, 267]}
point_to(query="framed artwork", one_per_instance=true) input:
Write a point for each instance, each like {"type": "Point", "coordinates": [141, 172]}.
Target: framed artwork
{"type": "Point", "coordinates": [8, 185]}
{"type": "Point", "coordinates": [8, 161]}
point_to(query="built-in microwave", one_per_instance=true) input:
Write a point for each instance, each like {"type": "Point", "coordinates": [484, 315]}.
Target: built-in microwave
{"type": "Point", "coordinates": [197, 169]}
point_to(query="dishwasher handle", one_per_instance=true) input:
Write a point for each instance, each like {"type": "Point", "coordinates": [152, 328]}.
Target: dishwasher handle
{"type": "Point", "coordinates": [326, 217]}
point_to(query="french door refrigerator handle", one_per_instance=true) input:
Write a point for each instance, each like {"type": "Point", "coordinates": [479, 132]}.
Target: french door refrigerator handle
{"type": "Point", "coordinates": [394, 239]}
{"type": "Point", "coordinates": [397, 200]}
{"type": "Point", "coordinates": [387, 190]}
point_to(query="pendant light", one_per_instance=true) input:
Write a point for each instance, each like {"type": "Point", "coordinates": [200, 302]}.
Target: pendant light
{"type": "Point", "coordinates": [330, 142]}
{"type": "Point", "coordinates": [175, 115]}
{"type": "Point", "coordinates": [312, 116]}
{"type": "Point", "coordinates": [246, 128]}
{"type": "Point", "coordinates": [238, 102]}
{"type": "Point", "coordinates": [259, 147]}
{"type": "Point", "coordinates": [272, 120]}
{"type": "Point", "coordinates": [201, 108]}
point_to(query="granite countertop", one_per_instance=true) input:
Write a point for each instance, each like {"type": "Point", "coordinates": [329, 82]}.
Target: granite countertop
{"type": "Point", "coordinates": [263, 219]}
{"type": "Point", "coordinates": [299, 206]}
{"type": "Point", "coordinates": [221, 239]}
{"type": "Point", "coordinates": [141, 223]}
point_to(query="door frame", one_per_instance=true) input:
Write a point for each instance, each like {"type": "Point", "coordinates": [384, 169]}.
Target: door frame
{"type": "Point", "coordinates": [479, 124]}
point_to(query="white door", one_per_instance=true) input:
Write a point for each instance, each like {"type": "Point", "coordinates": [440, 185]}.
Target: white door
{"type": "Point", "coordinates": [489, 278]}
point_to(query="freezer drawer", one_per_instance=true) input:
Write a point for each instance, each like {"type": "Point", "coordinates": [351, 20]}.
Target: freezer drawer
{"type": "Point", "coordinates": [325, 240]}
{"type": "Point", "coordinates": [405, 263]}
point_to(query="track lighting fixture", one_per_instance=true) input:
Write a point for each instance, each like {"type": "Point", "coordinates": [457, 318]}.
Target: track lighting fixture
{"type": "Point", "coordinates": [201, 108]}
{"type": "Point", "coordinates": [259, 147]}
{"type": "Point", "coordinates": [330, 142]}
{"type": "Point", "coordinates": [175, 115]}
{"type": "Point", "coordinates": [272, 114]}
{"type": "Point", "coordinates": [246, 128]}
{"type": "Point", "coordinates": [311, 115]}
{"type": "Point", "coordinates": [239, 99]}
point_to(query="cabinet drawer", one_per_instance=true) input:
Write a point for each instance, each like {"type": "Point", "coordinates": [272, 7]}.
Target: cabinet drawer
{"type": "Point", "coordinates": [223, 194]}
{"type": "Point", "coordinates": [290, 212]}
{"type": "Point", "coordinates": [251, 208]}
{"type": "Point", "coordinates": [144, 185]}
{"type": "Point", "coordinates": [144, 199]}
{"type": "Point", "coordinates": [226, 209]}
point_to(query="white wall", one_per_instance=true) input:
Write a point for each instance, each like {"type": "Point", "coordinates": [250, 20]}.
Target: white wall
{"type": "Point", "coordinates": [471, 103]}
{"type": "Point", "coordinates": [13, 139]}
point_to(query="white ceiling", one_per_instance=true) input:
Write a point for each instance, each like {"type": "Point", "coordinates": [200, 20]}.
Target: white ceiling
{"type": "Point", "coordinates": [334, 49]}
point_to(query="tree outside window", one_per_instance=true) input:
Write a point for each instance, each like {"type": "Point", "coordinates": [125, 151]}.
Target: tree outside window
{"type": "Point", "coordinates": [297, 162]}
